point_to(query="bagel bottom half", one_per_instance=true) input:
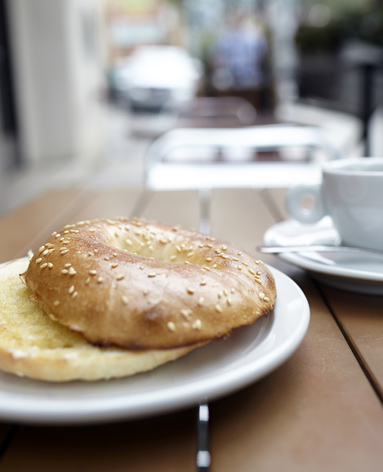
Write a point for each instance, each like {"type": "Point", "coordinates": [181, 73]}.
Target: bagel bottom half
{"type": "Point", "coordinates": [33, 345]}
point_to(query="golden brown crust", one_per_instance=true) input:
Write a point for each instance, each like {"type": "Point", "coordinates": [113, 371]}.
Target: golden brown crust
{"type": "Point", "coordinates": [141, 285]}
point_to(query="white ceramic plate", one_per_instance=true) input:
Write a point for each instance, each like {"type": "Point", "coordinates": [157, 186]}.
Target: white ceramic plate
{"type": "Point", "coordinates": [362, 274]}
{"type": "Point", "coordinates": [213, 371]}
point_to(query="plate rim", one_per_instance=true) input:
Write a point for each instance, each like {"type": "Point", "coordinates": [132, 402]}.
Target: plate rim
{"type": "Point", "coordinates": [24, 409]}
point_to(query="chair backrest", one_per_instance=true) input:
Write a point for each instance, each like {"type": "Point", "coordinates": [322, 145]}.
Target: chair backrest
{"type": "Point", "coordinates": [257, 138]}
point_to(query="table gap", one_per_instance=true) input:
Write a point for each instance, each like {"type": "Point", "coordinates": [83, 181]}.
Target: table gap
{"type": "Point", "coordinates": [354, 350]}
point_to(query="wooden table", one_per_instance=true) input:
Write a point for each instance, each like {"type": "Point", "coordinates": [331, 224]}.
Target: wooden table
{"type": "Point", "coordinates": [321, 410]}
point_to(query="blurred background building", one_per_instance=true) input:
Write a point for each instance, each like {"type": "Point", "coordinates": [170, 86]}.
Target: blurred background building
{"type": "Point", "coordinates": [80, 79]}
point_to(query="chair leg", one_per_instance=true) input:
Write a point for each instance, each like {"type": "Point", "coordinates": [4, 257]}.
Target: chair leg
{"type": "Point", "coordinates": [204, 200]}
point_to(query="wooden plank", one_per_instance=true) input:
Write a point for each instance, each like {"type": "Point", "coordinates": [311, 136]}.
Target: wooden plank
{"type": "Point", "coordinates": [161, 444]}
{"type": "Point", "coordinates": [361, 319]}
{"type": "Point", "coordinates": [25, 227]}
{"type": "Point", "coordinates": [123, 446]}
{"type": "Point", "coordinates": [173, 208]}
{"type": "Point", "coordinates": [318, 411]}
{"type": "Point", "coordinates": [240, 216]}
{"type": "Point", "coordinates": [359, 316]}
{"type": "Point", "coordinates": [108, 203]}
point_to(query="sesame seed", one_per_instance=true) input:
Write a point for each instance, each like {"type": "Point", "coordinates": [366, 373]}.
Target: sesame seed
{"type": "Point", "coordinates": [203, 282]}
{"type": "Point", "coordinates": [100, 279]}
{"type": "Point", "coordinates": [206, 268]}
{"type": "Point", "coordinates": [72, 271]}
{"type": "Point", "coordinates": [56, 303]}
{"type": "Point", "coordinates": [208, 259]}
{"type": "Point", "coordinates": [152, 274]}
{"type": "Point", "coordinates": [258, 281]}
{"type": "Point", "coordinates": [173, 257]}
{"type": "Point", "coordinates": [228, 301]}
{"type": "Point", "coordinates": [178, 249]}
{"type": "Point", "coordinates": [164, 241]}
{"type": "Point", "coordinates": [38, 260]}
{"type": "Point", "coordinates": [71, 289]}
{"type": "Point", "coordinates": [239, 267]}
{"type": "Point", "coordinates": [58, 235]}
{"type": "Point", "coordinates": [190, 290]}
{"type": "Point", "coordinates": [197, 324]}
{"type": "Point", "coordinates": [187, 262]}
{"type": "Point", "coordinates": [64, 252]}
{"type": "Point", "coordinates": [251, 271]}
{"type": "Point", "coordinates": [74, 294]}
{"type": "Point", "coordinates": [128, 242]}
{"type": "Point", "coordinates": [124, 300]}
{"type": "Point", "coordinates": [261, 295]}
{"type": "Point", "coordinates": [41, 248]}
{"type": "Point", "coordinates": [219, 308]}
{"type": "Point", "coordinates": [223, 247]}
{"type": "Point", "coordinates": [185, 313]}
{"type": "Point", "coordinates": [66, 241]}
{"type": "Point", "coordinates": [120, 277]}
{"type": "Point", "coordinates": [93, 272]}
{"type": "Point", "coordinates": [64, 271]}
{"type": "Point", "coordinates": [232, 290]}
{"type": "Point", "coordinates": [43, 265]}
{"type": "Point", "coordinates": [200, 245]}
{"type": "Point", "coordinates": [217, 251]}
{"type": "Point", "coordinates": [92, 230]}
{"type": "Point", "coordinates": [214, 266]}
{"type": "Point", "coordinates": [200, 301]}
{"type": "Point", "coordinates": [171, 326]}
{"type": "Point", "coordinates": [145, 291]}
{"type": "Point", "coordinates": [114, 265]}
{"type": "Point", "coordinates": [106, 258]}
{"type": "Point", "coordinates": [50, 265]}
{"type": "Point", "coordinates": [87, 281]}
{"type": "Point", "coordinates": [49, 245]}
{"type": "Point", "coordinates": [235, 259]}
{"type": "Point", "coordinates": [240, 254]}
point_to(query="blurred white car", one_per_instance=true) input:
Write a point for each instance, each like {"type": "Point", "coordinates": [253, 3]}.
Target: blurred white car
{"type": "Point", "coordinates": [155, 77]}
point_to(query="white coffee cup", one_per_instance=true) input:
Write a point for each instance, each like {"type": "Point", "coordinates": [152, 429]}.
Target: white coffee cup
{"type": "Point", "coordinates": [351, 193]}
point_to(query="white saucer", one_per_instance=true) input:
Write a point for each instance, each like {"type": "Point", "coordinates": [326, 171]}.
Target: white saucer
{"type": "Point", "coordinates": [354, 273]}
{"type": "Point", "coordinates": [218, 369]}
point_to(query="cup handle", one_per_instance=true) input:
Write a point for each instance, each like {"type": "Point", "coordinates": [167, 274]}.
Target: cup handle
{"type": "Point", "coordinates": [294, 199]}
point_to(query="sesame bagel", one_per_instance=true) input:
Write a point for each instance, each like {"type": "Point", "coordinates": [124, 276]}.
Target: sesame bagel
{"type": "Point", "coordinates": [141, 285]}
{"type": "Point", "coordinates": [33, 345]}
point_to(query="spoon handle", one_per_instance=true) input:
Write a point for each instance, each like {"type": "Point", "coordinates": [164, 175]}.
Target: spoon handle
{"type": "Point", "coordinates": [274, 249]}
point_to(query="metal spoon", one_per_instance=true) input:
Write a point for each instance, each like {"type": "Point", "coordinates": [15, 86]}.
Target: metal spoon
{"type": "Point", "coordinates": [274, 249]}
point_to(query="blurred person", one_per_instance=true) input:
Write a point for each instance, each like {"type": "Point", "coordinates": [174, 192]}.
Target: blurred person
{"type": "Point", "coordinates": [238, 56]}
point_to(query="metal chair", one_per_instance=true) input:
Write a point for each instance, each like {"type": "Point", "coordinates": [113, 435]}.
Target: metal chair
{"type": "Point", "coordinates": [162, 173]}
